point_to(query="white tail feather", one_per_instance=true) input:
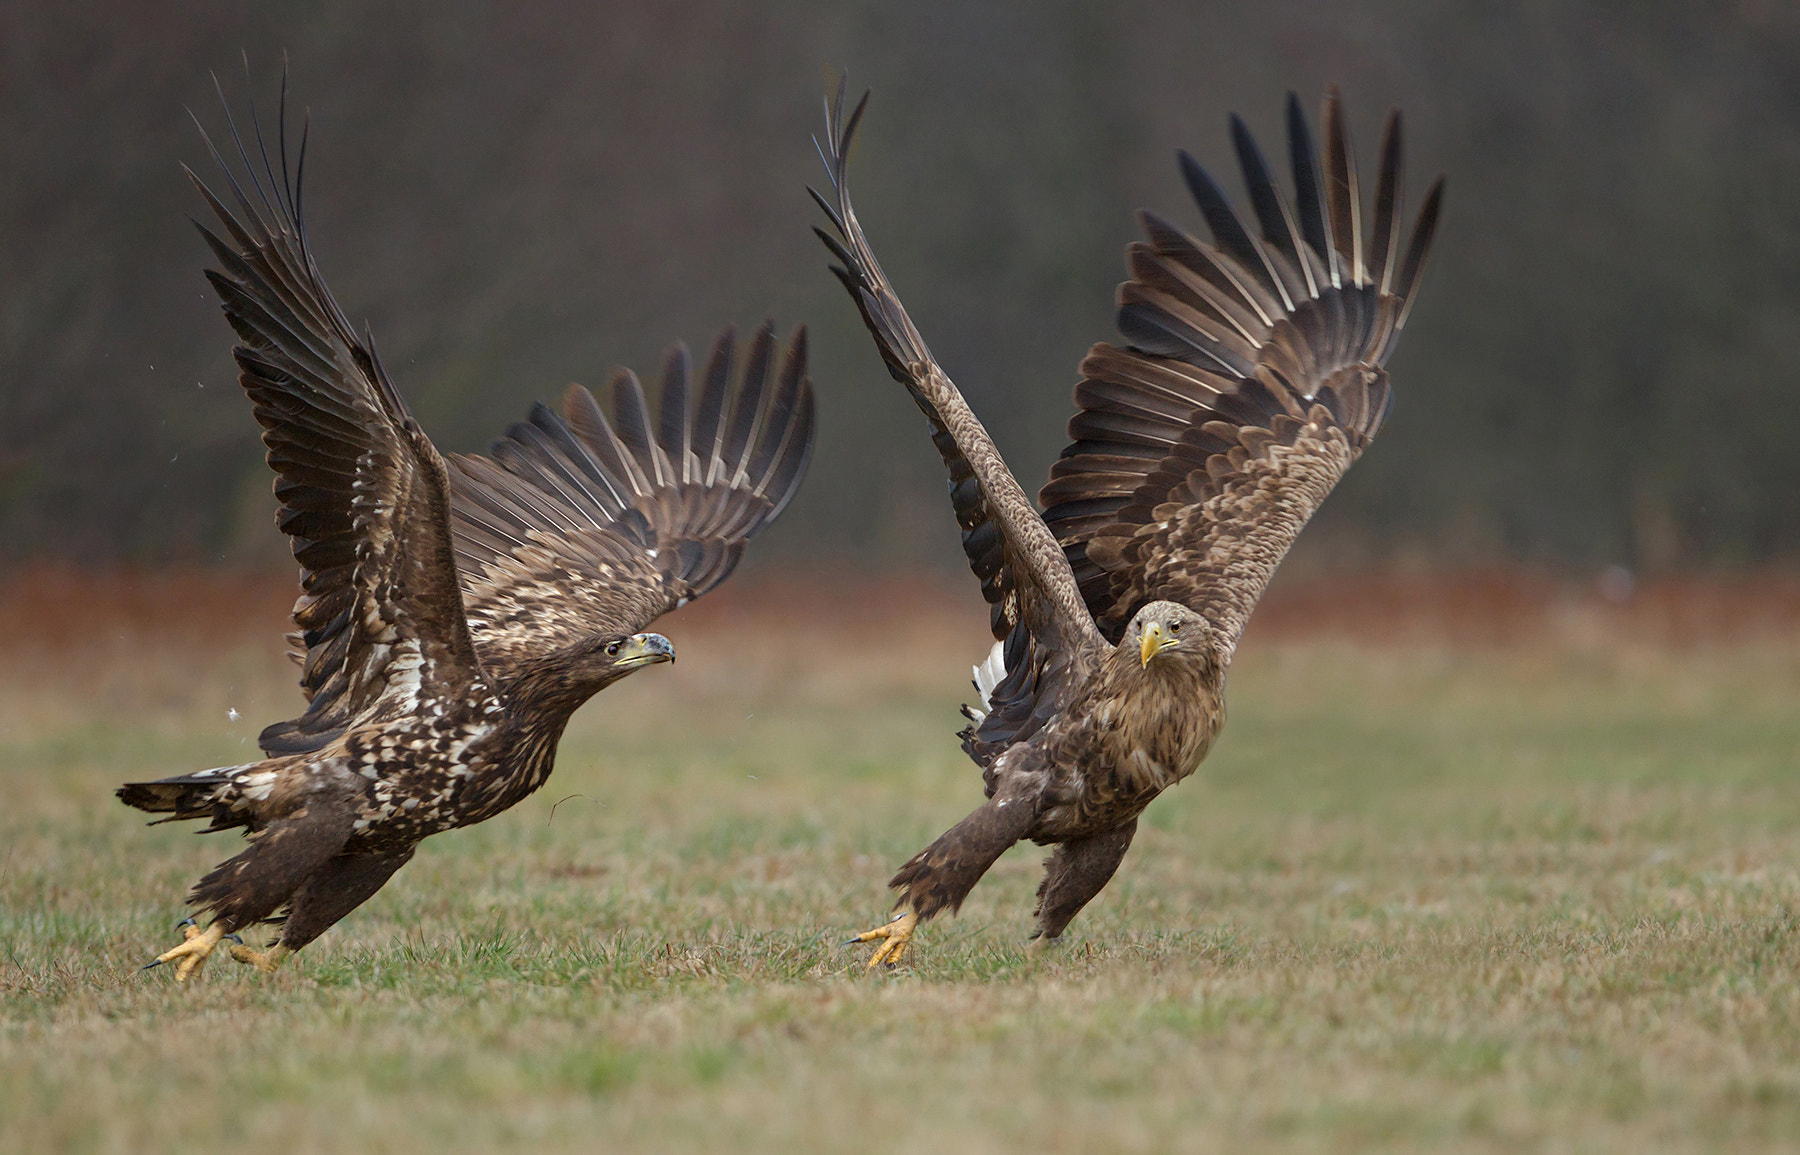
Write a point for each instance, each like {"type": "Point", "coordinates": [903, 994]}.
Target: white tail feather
{"type": "Point", "coordinates": [987, 676]}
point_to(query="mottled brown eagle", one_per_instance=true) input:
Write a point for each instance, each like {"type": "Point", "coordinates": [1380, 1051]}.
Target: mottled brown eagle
{"type": "Point", "coordinates": [1250, 379]}
{"type": "Point", "coordinates": [453, 615]}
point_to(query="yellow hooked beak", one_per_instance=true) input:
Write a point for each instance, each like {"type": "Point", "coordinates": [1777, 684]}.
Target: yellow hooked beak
{"type": "Point", "coordinates": [643, 650]}
{"type": "Point", "coordinates": [1156, 640]}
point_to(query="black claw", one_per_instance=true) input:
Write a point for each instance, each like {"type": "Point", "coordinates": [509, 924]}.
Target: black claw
{"type": "Point", "coordinates": [851, 941]}
{"type": "Point", "coordinates": [234, 938]}
{"type": "Point", "coordinates": [188, 921]}
{"type": "Point", "coordinates": [150, 966]}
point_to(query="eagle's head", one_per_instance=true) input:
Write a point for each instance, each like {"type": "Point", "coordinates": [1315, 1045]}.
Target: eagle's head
{"type": "Point", "coordinates": [604, 660]}
{"type": "Point", "coordinates": [1164, 633]}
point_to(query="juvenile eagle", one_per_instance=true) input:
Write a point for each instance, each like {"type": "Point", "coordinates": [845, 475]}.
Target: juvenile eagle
{"type": "Point", "coordinates": [453, 615]}
{"type": "Point", "coordinates": [1250, 378]}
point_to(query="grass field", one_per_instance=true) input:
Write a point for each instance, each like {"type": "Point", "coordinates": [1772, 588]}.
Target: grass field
{"type": "Point", "coordinates": [1478, 863]}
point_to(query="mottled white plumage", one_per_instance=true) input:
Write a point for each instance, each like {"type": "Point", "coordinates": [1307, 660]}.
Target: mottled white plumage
{"type": "Point", "coordinates": [436, 691]}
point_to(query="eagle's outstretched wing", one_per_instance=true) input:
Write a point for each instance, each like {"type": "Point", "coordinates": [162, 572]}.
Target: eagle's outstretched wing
{"type": "Point", "coordinates": [1251, 379]}
{"type": "Point", "coordinates": [363, 493]}
{"type": "Point", "coordinates": [578, 526]}
{"type": "Point", "coordinates": [1024, 575]}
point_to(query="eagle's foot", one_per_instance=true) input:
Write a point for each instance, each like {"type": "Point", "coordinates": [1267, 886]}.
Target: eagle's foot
{"type": "Point", "coordinates": [191, 955]}
{"type": "Point", "coordinates": [895, 938]}
{"type": "Point", "coordinates": [263, 960]}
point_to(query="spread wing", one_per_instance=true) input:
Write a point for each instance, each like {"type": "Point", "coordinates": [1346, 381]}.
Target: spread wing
{"type": "Point", "coordinates": [1024, 575]}
{"type": "Point", "coordinates": [1251, 379]}
{"type": "Point", "coordinates": [1037, 610]}
{"type": "Point", "coordinates": [363, 493]}
{"type": "Point", "coordinates": [578, 525]}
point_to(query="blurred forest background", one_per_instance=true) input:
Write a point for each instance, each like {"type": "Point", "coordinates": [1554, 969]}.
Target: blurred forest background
{"type": "Point", "coordinates": [1603, 367]}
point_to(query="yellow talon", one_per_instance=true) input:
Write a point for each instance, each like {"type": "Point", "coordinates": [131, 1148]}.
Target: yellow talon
{"type": "Point", "coordinates": [263, 960]}
{"type": "Point", "coordinates": [898, 939]}
{"type": "Point", "coordinates": [194, 952]}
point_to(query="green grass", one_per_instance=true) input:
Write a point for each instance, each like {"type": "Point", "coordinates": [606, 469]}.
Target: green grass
{"type": "Point", "coordinates": [1535, 898]}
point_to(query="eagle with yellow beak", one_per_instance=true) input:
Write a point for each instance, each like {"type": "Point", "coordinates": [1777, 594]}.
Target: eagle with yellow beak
{"type": "Point", "coordinates": [1250, 379]}
{"type": "Point", "coordinates": [454, 612]}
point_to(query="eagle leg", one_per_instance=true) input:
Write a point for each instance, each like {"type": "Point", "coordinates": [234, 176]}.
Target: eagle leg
{"type": "Point", "coordinates": [263, 960]}
{"type": "Point", "coordinates": [1075, 873]}
{"type": "Point", "coordinates": [895, 938]}
{"type": "Point", "coordinates": [939, 877]}
{"type": "Point", "coordinates": [343, 883]}
{"type": "Point", "coordinates": [192, 954]}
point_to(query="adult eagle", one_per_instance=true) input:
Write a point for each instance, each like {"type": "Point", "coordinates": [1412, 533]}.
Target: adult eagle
{"type": "Point", "coordinates": [1250, 378]}
{"type": "Point", "coordinates": [453, 615]}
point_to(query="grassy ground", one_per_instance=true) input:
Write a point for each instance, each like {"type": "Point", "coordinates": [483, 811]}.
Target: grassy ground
{"type": "Point", "coordinates": [1521, 876]}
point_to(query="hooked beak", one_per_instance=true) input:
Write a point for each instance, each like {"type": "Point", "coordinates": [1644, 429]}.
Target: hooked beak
{"type": "Point", "coordinates": [1156, 640]}
{"type": "Point", "coordinates": [643, 650]}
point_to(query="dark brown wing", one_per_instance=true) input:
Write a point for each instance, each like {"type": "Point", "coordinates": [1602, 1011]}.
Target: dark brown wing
{"type": "Point", "coordinates": [1252, 378]}
{"type": "Point", "coordinates": [1037, 611]}
{"type": "Point", "coordinates": [363, 494]}
{"type": "Point", "coordinates": [579, 526]}
{"type": "Point", "coordinates": [1023, 573]}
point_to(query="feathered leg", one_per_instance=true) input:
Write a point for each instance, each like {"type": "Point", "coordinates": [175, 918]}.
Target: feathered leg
{"type": "Point", "coordinates": [332, 891]}
{"type": "Point", "coordinates": [1075, 872]}
{"type": "Point", "coordinates": [249, 887]}
{"type": "Point", "coordinates": [943, 873]}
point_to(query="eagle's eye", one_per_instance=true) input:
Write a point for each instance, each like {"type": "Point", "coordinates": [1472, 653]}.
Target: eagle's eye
{"type": "Point", "coordinates": [1174, 627]}
{"type": "Point", "coordinates": [612, 649]}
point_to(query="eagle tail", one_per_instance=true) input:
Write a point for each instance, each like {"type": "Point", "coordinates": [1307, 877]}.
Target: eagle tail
{"type": "Point", "coordinates": [987, 675]}
{"type": "Point", "coordinates": [184, 796]}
